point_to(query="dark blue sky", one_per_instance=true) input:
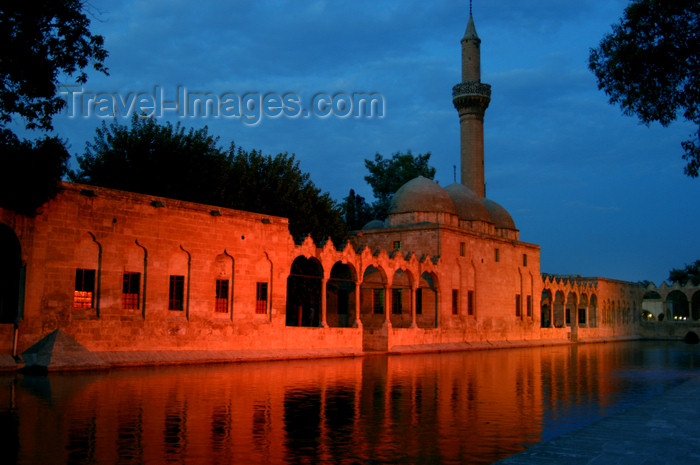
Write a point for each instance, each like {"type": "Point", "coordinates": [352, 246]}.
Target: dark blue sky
{"type": "Point", "coordinates": [600, 193]}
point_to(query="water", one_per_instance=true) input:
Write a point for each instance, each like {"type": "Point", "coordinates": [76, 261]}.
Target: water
{"type": "Point", "coordinates": [473, 407]}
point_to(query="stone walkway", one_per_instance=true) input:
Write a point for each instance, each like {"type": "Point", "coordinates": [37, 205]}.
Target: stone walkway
{"type": "Point", "coordinates": [662, 430]}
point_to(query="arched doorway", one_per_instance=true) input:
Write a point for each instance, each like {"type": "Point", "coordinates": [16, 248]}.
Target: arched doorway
{"type": "Point", "coordinates": [652, 306]}
{"type": "Point", "coordinates": [304, 292]}
{"type": "Point", "coordinates": [677, 306]}
{"type": "Point", "coordinates": [340, 296]}
{"type": "Point", "coordinates": [427, 301]}
{"type": "Point", "coordinates": [10, 276]}
{"type": "Point", "coordinates": [373, 298]}
{"type": "Point", "coordinates": [583, 310]}
{"type": "Point", "coordinates": [546, 309]}
{"type": "Point", "coordinates": [558, 310]}
{"type": "Point", "coordinates": [571, 309]}
{"type": "Point", "coordinates": [593, 312]}
{"type": "Point", "coordinates": [401, 300]}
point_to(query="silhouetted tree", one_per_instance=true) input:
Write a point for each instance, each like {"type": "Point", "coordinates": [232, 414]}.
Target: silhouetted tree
{"type": "Point", "coordinates": [41, 41]}
{"type": "Point", "coordinates": [683, 275]}
{"type": "Point", "coordinates": [356, 211]}
{"type": "Point", "coordinates": [30, 171]}
{"type": "Point", "coordinates": [387, 175]}
{"type": "Point", "coordinates": [169, 161]}
{"type": "Point", "coordinates": [650, 65]}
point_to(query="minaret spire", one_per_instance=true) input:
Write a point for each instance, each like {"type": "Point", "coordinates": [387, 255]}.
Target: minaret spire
{"type": "Point", "coordinates": [471, 98]}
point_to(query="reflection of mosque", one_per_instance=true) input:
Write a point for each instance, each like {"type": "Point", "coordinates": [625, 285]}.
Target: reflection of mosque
{"type": "Point", "coordinates": [126, 272]}
{"type": "Point", "coordinates": [447, 408]}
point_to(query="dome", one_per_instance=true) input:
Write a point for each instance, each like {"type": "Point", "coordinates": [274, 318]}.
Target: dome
{"type": "Point", "coordinates": [374, 224]}
{"type": "Point", "coordinates": [499, 215]}
{"type": "Point", "coordinates": [421, 195]}
{"type": "Point", "coordinates": [468, 205]}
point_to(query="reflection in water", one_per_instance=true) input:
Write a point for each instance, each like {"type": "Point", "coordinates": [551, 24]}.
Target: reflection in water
{"type": "Point", "coordinates": [471, 407]}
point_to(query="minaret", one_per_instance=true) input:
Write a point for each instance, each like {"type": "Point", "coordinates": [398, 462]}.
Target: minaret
{"type": "Point", "coordinates": [471, 98]}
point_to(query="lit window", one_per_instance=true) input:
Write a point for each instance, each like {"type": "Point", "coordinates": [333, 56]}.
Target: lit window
{"type": "Point", "coordinates": [497, 255]}
{"type": "Point", "coordinates": [131, 290]}
{"type": "Point", "coordinates": [396, 304]}
{"type": "Point", "coordinates": [462, 249]}
{"type": "Point", "coordinates": [221, 305]}
{"type": "Point", "coordinates": [261, 298]}
{"type": "Point", "coordinates": [378, 301]}
{"type": "Point", "coordinates": [470, 303]}
{"type": "Point", "coordinates": [397, 246]}
{"type": "Point", "coordinates": [518, 311]}
{"type": "Point", "coordinates": [176, 293]}
{"type": "Point", "coordinates": [84, 288]}
{"type": "Point", "coordinates": [455, 302]}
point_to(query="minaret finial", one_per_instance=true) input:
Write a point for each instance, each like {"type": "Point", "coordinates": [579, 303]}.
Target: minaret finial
{"type": "Point", "coordinates": [470, 7]}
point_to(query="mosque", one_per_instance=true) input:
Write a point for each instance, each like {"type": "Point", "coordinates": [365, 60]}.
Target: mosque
{"type": "Point", "coordinates": [136, 279]}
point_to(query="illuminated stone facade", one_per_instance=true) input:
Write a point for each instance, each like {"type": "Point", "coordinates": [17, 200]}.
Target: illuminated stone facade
{"type": "Point", "coordinates": [125, 272]}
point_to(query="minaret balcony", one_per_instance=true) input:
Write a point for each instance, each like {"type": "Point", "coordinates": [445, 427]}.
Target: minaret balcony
{"type": "Point", "coordinates": [471, 94]}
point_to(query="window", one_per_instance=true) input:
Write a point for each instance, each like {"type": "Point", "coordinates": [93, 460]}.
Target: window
{"type": "Point", "coordinates": [397, 245]}
{"type": "Point", "coordinates": [524, 259]}
{"type": "Point", "coordinates": [176, 293]}
{"type": "Point", "coordinates": [83, 296]}
{"type": "Point", "coordinates": [455, 302]}
{"type": "Point", "coordinates": [470, 303]}
{"type": "Point", "coordinates": [529, 306]}
{"type": "Point", "coordinates": [378, 301]}
{"type": "Point", "coordinates": [462, 249]}
{"type": "Point", "coordinates": [419, 301]}
{"type": "Point", "coordinates": [261, 298]}
{"type": "Point", "coordinates": [221, 305]}
{"type": "Point", "coordinates": [518, 310]}
{"type": "Point", "coordinates": [396, 304]}
{"type": "Point", "coordinates": [497, 255]}
{"type": "Point", "coordinates": [131, 290]}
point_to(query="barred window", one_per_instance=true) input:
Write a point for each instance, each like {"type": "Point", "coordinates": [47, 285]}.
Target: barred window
{"type": "Point", "coordinates": [177, 293]}
{"type": "Point", "coordinates": [261, 298]}
{"type": "Point", "coordinates": [221, 305]}
{"type": "Point", "coordinates": [84, 291]}
{"type": "Point", "coordinates": [131, 290]}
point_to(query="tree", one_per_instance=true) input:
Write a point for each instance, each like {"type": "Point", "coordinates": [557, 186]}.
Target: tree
{"type": "Point", "coordinates": [356, 211]}
{"type": "Point", "coordinates": [43, 40]}
{"type": "Point", "coordinates": [650, 66]}
{"type": "Point", "coordinates": [166, 160]}
{"type": "Point", "coordinates": [30, 171]}
{"type": "Point", "coordinates": [683, 275]}
{"type": "Point", "coordinates": [386, 176]}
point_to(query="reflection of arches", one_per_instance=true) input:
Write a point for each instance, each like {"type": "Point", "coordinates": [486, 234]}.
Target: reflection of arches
{"type": "Point", "coordinates": [304, 292]}
{"type": "Point", "coordinates": [373, 303]}
{"type": "Point", "coordinates": [341, 296]}
{"type": "Point", "coordinates": [558, 310]}
{"type": "Point", "coordinates": [427, 301]}
{"type": "Point", "coordinates": [546, 309]}
{"type": "Point", "coordinates": [695, 306]}
{"type": "Point", "coordinates": [593, 312]}
{"type": "Point", "coordinates": [10, 275]}
{"type": "Point", "coordinates": [677, 306]}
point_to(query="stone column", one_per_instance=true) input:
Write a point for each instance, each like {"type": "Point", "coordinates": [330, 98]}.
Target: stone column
{"type": "Point", "coordinates": [323, 322]}
{"type": "Point", "coordinates": [413, 307]}
{"type": "Point", "coordinates": [358, 320]}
